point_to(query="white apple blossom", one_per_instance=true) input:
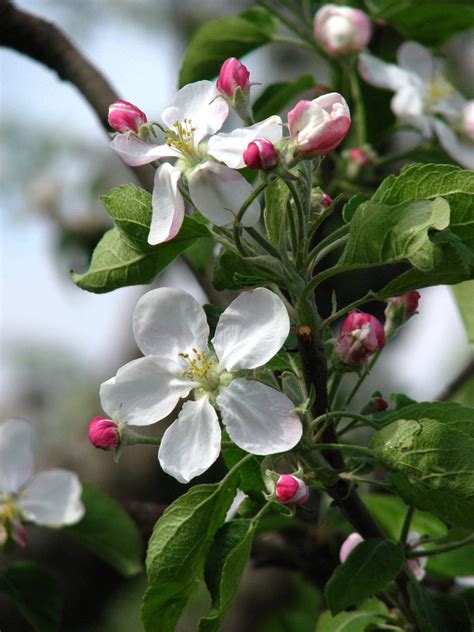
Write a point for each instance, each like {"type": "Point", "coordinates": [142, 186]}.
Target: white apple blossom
{"type": "Point", "coordinates": [51, 498]}
{"type": "Point", "coordinates": [424, 98]}
{"type": "Point", "coordinates": [197, 112]}
{"type": "Point", "coordinates": [171, 330]}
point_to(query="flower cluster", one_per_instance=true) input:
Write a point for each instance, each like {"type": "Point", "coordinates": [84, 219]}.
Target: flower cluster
{"type": "Point", "coordinates": [51, 498]}
{"type": "Point", "coordinates": [205, 162]}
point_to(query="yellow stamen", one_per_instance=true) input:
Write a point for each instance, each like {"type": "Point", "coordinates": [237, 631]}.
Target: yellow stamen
{"type": "Point", "coordinates": [438, 90]}
{"type": "Point", "coordinates": [181, 138]}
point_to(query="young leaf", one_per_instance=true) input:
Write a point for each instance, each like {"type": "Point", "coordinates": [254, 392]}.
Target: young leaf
{"type": "Point", "coordinates": [118, 261]}
{"type": "Point", "coordinates": [428, 453]}
{"type": "Point", "coordinates": [351, 206]}
{"type": "Point", "coordinates": [276, 198]}
{"type": "Point", "coordinates": [278, 95]}
{"type": "Point", "coordinates": [130, 208]}
{"type": "Point", "coordinates": [109, 532]}
{"type": "Point", "coordinates": [219, 39]}
{"type": "Point", "coordinates": [435, 612]}
{"type": "Point", "coordinates": [225, 564]}
{"type": "Point", "coordinates": [369, 615]}
{"type": "Point", "coordinates": [381, 234]}
{"type": "Point", "coordinates": [35, 594]}
{"type": "Point", "coordinates": [228, 270]}
{"type": "Point", "coordinates": [250, 474]}
{"type": "Point", "coordinates": [464, 294]}
{"type": "Point", "coordinates": [368, 569]}
{"type": "Point", "coordinates": [177, 550]}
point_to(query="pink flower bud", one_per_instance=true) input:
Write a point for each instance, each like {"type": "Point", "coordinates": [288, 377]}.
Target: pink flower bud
{"type": "Point", "coordinates": [320, 125]}
{"type": "Point", "coordinates": [360, 157]}
{"type": "Point", "coordinates": [326, 201]}
{"type": "Point", "coordinates": [380, 404]}
{"type": "Point", "coordinates": [260, 154]}
{"type": "Point", "coordinates": [361, 335]}
{"type": "Point", "coordinates": [349, 545]}
{"type": "Point", "coordinates": [291, 491]}
{"type": "Point", "coordinates": [468, 119]}
{"type": "Point", "coordinates": [408, 302]}
{"type": "Point", "coordinates": [233, 75]}
{"type": "Point", "coordinates": [342, 30]}
{"type": "Point", "coordinates": [125, 117]}
{"type": "Point", "coordinates": [103, 433]}
{"type": "Point", "coordinates": [416, 564]}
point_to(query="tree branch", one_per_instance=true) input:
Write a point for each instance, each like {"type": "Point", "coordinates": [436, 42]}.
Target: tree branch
{"type": "Point", "coordinates": [44, 42]}
{"type": "Point", "coordinates": [463, 376]}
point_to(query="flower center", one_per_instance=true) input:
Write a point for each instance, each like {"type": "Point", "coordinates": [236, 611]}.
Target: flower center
{"type": "Point", "coordinates": [438, 90]}
{"type": "Point", "coordinates": [198, 367]}
{"type": "Point", "coordinates": [181, 138]}
{"type": "Point", "coordinates": [8, 510]}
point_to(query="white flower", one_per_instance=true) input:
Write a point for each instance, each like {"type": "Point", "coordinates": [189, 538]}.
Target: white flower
{"type": "Point", "coordinates": [424, 98]}
{"type": "Point", "coordinates": [197, 112]}
{"type": "Point", "coordinates": [171, 329]}
{"type": "Point", "coordinates": [51, 498]}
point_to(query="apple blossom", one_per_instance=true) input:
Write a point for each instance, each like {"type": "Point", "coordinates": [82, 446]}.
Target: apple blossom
{"type": "Point", "coordinates": [467, 124]}
{"type": "Point", "coordinates": [424, 98]}
{"type": "Point", "coordinates": [349, 544]}
{"type": "Point", "coordinates": [399, 309]}
{"type": "Point", "coordinates": [291, 491]}
{"type": "Point", "coordinates": [125, 117]}
{"type": "Point", "coordinates": [416, 564]}
{"type": "Point", "coordinates": [197, 112]}
{"type": "Point", "coordinates": [361, 335]}
{"type": "Point", "coordinates": [320, 125]}
{"type": "Point", "coordinates": [260, 154]}
{"type": "Point", "coordinates": [171, 329]}
{"type": "Point", "coordinates": [51, 498]}
{"type": "Point", "coordinates": [103, 433]}
{"type": "Point", "coordinates": [342, 30]}
{"type": "Point", "coordinates": [233, 76]}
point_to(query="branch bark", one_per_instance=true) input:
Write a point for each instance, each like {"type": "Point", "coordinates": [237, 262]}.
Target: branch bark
{"type": "Point", "coordinates": [44, 42]}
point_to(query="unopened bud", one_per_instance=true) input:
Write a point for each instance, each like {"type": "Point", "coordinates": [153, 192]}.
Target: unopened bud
{"type": "Point", "coordinates": [326, 200]}
{"type": "Point", "coordinates": [400, 309]}
{"type": "Point", "coordinates": [360, 157]}
{"type": "Point", "coordinates": [320, 125]}
{"type": "Point", "coordinates": [125, 117]}
{"type": "Point", "coordinates": [233, 76]}
{"type": "Point", "coordinates": [416, 564]}
{"type": "Point", "coordinates": [349, 545]}
{"type": "Point", "coordinates": [467, 121]}
{"type": "Point", "coordinates": [342, 30]}
{"type": "Point", "coordinates": [361, 335]}
{"type": "Point", "coordinates": [291, 491]}
{"type": "Point", "coordinates": [103, 433]}
{"type": "Point", "coordinates": [260, 154]}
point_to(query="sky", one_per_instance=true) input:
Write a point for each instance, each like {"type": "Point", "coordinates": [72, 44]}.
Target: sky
{"type": "Point", "coordinates": [39, 304]}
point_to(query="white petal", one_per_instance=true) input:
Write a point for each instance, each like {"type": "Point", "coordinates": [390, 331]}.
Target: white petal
{"type": "Point", "coordinates": [219, 192]}
{"type": "Point", "coordinates": [168, 205]}
{"type": "Point", "coordinates": [168, 321]}
{"type": "Point", "coordinates": [201, 103]}
{"type": "Point", "coordinates": [136, 152]}
{"type": "Point", "coordinates": [192, 443]}
{"type": "Point", "coordinates": [382, 75]}
{"type": "Point", "coordinates": [461, 151]}
{"type": "Point", "coordinates": [407, 105]}
{"type": "Point", "coordinates": [53, 498]}
{"type": "Point", "coordinates": [415, 58]}
{"type": "Point", "coordinates": [16, 454]}
{"type": "Point", "coordinates": [251, 330]}
{"type": "Point", "coordinates": [451, 107]}
{"type": "Point", "coordinates": [258, 418]}
{"type": "Point", "coordinates": [229, 148]}
{"type": "Point", "coordinates": [144, 391]}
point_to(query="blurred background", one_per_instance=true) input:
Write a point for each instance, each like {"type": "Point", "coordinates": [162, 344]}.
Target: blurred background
{"type": "Point", "coordinates": [58, 343]}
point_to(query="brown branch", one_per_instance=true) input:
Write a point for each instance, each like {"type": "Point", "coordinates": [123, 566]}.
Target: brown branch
{"type": "Point", "coordinates": [44, 42]}
{"type": "Point", "coordinates": [463, 376]}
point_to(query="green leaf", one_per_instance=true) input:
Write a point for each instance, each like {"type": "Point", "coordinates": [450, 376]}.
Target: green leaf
{"type": "Point", "coordinates": [427, 451]}
{"type": "Point", "coordinates": [278, 95]}
{"type": "Point", "coordinates": [177, 550]}
{"type": "Point", "coordinates": [226, 562]}
{"type": "Point", "coordinates": [457, 563]}
{"type": "Point", "coordinates": [200, 254]}
{"type": "Point", "coordinates": [250, 474]}
{"type": "Point", "coordinates": [436, 612]}
{"type": "Point", "coordinates": [108, 531]}
{"type": "Point", "coordinates": [351, 206]}
{"type": "Point", "coordinates": [117, 261]}
{"type": "Point", "coordinates": [459, 248]}
{"type": "Point", "coordinates": [368, 616]}
{"type": "Point", "coordinates": [35, 593]}
{"type": "Point", "coordinates": [276, 199]}
{"type": "Point", "coordinates": [368, 569]}
{"type": "Point", "coordinates": [464, 294]}
{"type": "Point", "coordinates": [381, 234]}
{"type": "Point", "coordinates": [220, 39]}
{"type": "Point", "coordinates": [390, 512]}
{"type": "Point", "coordinates": [431, 22]}
{"type": "Point", "coordinates": [130, 208]}
{"type": "Point", "coordinates": [231, 270]}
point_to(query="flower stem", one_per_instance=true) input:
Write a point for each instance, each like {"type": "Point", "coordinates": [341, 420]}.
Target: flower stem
{"type": "Point", "coordinates": [406, 525]}
{"type": "Point", "coordinates": [361, 379]}
{"type": "Point", "coordinates": [442, 549]}
{"type": "Point", "coordinates": [240, 215]}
